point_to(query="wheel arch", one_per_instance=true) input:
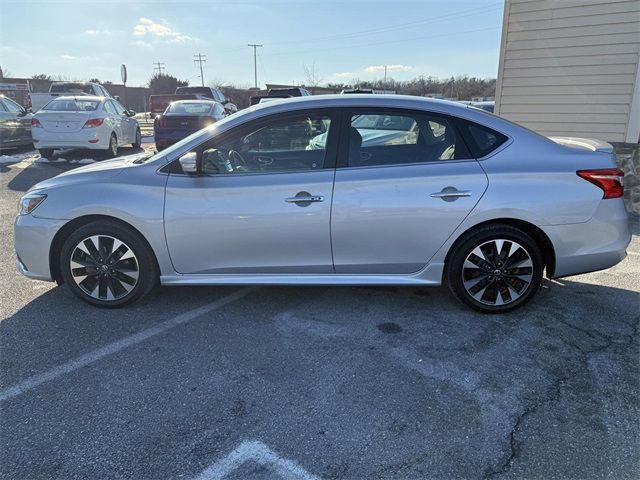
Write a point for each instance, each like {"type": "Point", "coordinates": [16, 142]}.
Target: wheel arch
{"type": "Point", "coordinates": [62, 234]}
{"type": "Point", "coordinates": [535, 232]}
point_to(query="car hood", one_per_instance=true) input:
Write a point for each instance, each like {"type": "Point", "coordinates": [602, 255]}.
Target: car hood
{"type": "Point", "coordinates": [95, 171]}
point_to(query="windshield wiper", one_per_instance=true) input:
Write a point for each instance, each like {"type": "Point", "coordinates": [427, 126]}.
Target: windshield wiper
{"type": "Point", "coordinates": [143, 159]}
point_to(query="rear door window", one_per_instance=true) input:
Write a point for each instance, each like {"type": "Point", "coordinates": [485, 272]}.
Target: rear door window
{"type": "Point", "coordinates": [390, 137]}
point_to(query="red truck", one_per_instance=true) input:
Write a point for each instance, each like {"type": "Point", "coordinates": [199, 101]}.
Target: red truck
{"type": "Point", "coordinates": [159, 103]}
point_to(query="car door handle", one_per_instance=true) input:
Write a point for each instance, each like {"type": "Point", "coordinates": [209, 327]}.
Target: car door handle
{"type": "Point", "coordinates": [450, 193]}
{"type": "Point", "coordinates": [305, 199]}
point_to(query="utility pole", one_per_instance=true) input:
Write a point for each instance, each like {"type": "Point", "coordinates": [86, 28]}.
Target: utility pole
{"type": "Point", "coordinates": [255, 65]}
{"type": "Point", "coordinates": [200, 59]}
{"type": "Point", "coordinates": [385, 79]}
{"type": "Point", "coordinates": [158, 67]}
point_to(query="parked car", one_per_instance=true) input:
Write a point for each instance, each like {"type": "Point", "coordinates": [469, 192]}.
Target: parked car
{"type": "Point", "coordinates": [184, 117]}
{"type": "Point", "coordinates": [279, 93]}
{"type": "Point", "coordinates": [487, 106]}
{"type": "Point", "coordinates": [159, 103]}
{"type": "Point", "coordinates": [473, 201]}
{"type": "Point", "coordinates": [36, 101]}
{"type": "Point", "coordinates": [97, 123]}
{"type": "Point", "coordinates": [15, 124]}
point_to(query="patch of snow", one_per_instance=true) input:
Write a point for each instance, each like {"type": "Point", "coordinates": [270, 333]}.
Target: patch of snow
{"type": "Point", "coordinates": [83, 161]}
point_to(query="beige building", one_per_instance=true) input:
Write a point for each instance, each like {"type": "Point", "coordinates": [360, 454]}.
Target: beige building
{"type": "Point", "coordinates": [570, 67]}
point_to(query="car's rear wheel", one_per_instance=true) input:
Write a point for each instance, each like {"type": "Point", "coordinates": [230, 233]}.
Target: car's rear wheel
{"type": "Point", "coordinates": [495, 269]}
{"type": "Point", "coordinates": [112, 150]}
{"type": "Point", "coordinates": [46, 153]}
{"type": "Point", "coordinates": [108, 265]}
{"type": "Point", "coordinates": [138, 140]}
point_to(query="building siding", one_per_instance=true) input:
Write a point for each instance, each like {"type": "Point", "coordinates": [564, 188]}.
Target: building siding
{"type": "Point", "coordinates": [570, 67]}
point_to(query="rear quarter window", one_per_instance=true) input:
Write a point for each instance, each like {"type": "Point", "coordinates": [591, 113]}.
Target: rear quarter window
{"type": "Point", "coordinates": [481, 140]}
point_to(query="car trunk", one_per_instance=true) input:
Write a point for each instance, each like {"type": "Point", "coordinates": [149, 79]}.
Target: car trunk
{"type": "Point", "coordinates": [184, 122]}
{"type": "Point", "coordinates": [61, 122]}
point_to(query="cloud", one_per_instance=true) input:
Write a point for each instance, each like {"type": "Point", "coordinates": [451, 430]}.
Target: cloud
{"type": "Point", "coordinates": [97, 31]}
{"type": "Point", "coordinates": [68, 57]}
{"type": "Point", "coordinates": [141, 43]}
{"type": "Point", "coordinates": [390, 68]}
{"type": "Point", "coordinates": [344, 74]}
{"type": "Point", "coordinates": [159, 31]}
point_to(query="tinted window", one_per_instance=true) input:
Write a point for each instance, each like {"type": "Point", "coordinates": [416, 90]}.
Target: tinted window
{"type": "Point", "coordinates": [12, 106]}
{"type": "Point", "coordinates": [71, 88]}
{"type": "Point", "coordinates": [398, 138]}
{"type": "Point", "coordinates": [72, 105]}
{"type": "Point", "coordinates": [279, 145]}
{"type": "Point", "coordinates": [189, 108]}
{"type": "Point", "coordinates": [120, 110]}
{"type": "Point", "coordinates": [480, 139]}
{"type": "Point", "coordinates": [2, 107]}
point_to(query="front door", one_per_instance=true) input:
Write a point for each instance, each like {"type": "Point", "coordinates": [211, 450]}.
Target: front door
{"type": "Point", "coordinates": [261, 202]}
{"type": "Point", "coordinates": [405, 183]}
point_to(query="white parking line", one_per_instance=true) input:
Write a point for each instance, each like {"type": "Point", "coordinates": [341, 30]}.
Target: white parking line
{"type": "Point", "coordinates": [95, 355]}
{"type": "Point", "coordinates": [257, 452]}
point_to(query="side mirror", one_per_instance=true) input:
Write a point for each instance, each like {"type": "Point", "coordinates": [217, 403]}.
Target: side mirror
{"type": "Point", "coordinates": [189, 163]}
{"type": "Point", "coordinates": [116, 98]}
{"type": "Point", "coordinates": [130, 113]}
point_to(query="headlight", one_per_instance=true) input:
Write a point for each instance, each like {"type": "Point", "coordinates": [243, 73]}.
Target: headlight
{"type": "Point", "coordinates": [30, 202]}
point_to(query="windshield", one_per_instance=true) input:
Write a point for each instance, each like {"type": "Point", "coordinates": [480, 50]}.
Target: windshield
{"type": "Point", "coordinates": [72, 105]}
{"type": "Point", "coordinates": [71, 88]}
{"type": "Point", "coordinates": [191, 108]}
{"type": "Point", "coordinates": [195, 90]}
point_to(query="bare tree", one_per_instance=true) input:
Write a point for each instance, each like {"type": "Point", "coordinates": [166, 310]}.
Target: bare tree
{"type": "Point", "coordinates": [312, 79]}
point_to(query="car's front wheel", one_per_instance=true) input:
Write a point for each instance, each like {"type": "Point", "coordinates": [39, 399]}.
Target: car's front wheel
{"type": "Point", "coordinates": [108, 265]}
{"type": "Point", "coordinates": [495, 269]}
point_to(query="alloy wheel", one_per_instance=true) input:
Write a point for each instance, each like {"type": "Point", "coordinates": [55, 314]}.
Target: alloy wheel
{"type": "Point", "coordinates": [104, 267]}
{"type": "Point", "coordinates": [497, 272]}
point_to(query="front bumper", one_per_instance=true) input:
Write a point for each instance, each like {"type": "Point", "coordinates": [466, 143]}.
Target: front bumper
{"type": "Point", "coordinates": [32, 239]}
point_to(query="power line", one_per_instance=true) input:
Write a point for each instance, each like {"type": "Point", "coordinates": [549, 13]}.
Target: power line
{"type": "Point", "coordinates": [158, 68]}
{"type": "Point", "coordinates": [200, 59]}
{"type": "Point", "coordinates": [255, 63]}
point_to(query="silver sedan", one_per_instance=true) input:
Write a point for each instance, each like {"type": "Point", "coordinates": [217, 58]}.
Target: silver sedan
{"type": "Point", "coordinates": [334, 190]}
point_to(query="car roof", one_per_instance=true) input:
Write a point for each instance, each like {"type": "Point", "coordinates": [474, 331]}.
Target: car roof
{"type": "Point", "coordinates": [81, 97]}
{"type": "Point", "coordinates": [362, 100]}
{"type": "Point", "coordinates": [193, 101]}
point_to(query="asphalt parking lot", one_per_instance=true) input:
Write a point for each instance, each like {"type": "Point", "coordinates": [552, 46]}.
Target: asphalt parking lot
{"type": "Point", "coordinates": [315, 382]}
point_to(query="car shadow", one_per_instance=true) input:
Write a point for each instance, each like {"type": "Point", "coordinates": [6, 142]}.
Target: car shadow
{"type": "Point", "coordinates": [61, 161]}
{"type": "Point", "coordinates": [56, 326]}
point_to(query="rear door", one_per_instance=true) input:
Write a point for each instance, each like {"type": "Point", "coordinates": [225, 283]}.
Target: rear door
{"type": "Point", "coordinates": [404, 182]}
{"type": "Point", "coordinates": [114, 119]}
{"type": "Point", "coordinates": [129, 124]}
{"type": "Point", "coordinates": [8, 130]}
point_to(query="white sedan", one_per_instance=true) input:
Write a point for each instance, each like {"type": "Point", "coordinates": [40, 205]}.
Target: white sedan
{"type": "Point", "coordinates": [97, 123]}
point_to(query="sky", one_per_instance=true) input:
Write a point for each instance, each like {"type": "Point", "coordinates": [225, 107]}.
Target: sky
{"type": "Point", "coordinates": [336, 41]}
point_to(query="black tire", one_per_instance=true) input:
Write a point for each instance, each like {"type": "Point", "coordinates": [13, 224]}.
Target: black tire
{"type": "Point", "coordinates": [138, 140]}
{"type": "Point", "coordinates": [46, 153]}
{"type": "Point", "coordinates": [108, 284]}
{"type": "Point", "coordinates": [112, 150]}
{"type": "Point", "coordinates": [508, 278]}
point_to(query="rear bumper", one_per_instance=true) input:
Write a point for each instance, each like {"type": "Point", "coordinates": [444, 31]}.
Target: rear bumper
{"type": "Point", "coordinates": [33, 237]}
{"type": "Point", "coordinates": [597, 244]}
{"type": "Point", "coordinates": [90, 138]}
{"type": "Point", "coordinates": [165, 138]}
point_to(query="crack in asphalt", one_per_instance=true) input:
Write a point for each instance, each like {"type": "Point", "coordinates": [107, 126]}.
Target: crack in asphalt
{"type": "Point", "coordinates": [555, 392]}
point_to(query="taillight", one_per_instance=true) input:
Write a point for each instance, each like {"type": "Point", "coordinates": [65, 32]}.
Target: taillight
{"type": "Point", "coordinates": [608, 179]}
{"type": "Point", "coordinates": [35, 123]}
{"type": "Point", "coordinates": [93, 123]}
{"type": "Point", "coordinates": [159, 122]}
